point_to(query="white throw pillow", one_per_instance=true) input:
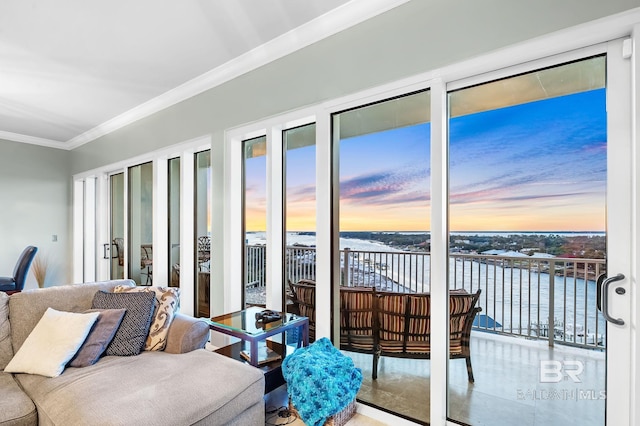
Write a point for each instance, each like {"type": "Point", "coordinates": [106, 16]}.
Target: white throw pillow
{"type": "Point", "coordinates": [52, 343]}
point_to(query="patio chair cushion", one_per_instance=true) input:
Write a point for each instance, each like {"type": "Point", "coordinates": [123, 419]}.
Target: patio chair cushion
{"type": "Point", "coordinates": [357, 318]}
{"type": "Point", "coordinates": [395, 324]}
{"type": "Point", "coordinates": [404, 323]}
{"type": "Point", "coordinates": [304, 296]}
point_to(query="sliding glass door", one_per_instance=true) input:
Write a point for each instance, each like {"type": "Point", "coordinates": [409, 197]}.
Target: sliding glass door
{"type": "Point", "coordinates": [140, 222]}
{"type": "Point", "coordinates": [383, 157]}
{"type": "Point", "coordinates": [533, 176]}
{"type": "Point", "coordinates": [530, 192]}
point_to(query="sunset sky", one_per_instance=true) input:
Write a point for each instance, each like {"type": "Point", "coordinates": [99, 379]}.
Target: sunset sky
{"type": "Point", "coordinates": [539, 166]}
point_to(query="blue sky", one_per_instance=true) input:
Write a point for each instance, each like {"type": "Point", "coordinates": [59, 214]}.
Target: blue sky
{"type": "Point", "coordinates": [536, 166]}
{"type": "Point", "coordinates": [539, 166]}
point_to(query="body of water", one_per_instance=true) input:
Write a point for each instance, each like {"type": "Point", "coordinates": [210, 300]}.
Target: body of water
{"type": "Point", "coordinates": [517, 298]}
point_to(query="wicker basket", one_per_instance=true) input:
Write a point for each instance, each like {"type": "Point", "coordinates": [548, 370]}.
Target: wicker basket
{"type": "Point", "coordinates": [339, 419]}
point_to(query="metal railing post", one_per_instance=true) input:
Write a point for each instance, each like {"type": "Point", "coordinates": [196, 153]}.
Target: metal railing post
{"type": "Point", "coordinates": [552, 320]}
{"type": "Point", "coordinates": [346, 267]}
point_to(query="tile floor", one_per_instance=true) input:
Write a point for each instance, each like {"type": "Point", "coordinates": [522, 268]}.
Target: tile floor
{"type": "Point", "coordinates": [278, 398]}
{"type": "Point", "coordinates": [507, 388]}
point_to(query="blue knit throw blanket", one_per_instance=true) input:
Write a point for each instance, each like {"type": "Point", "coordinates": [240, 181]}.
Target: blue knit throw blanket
{"type": "Point", "coordinates": [321, 381]}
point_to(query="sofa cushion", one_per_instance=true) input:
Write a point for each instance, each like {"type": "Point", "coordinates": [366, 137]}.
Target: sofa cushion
{"type": "Point", "coordinates": [99, 338]}
{"type": "Point", "coordinates": [16, 408]}
{"type": "Point", "coordinates": [153, 388]}
{"type": "Point", "coordinates": [28, 306]}
{"type": "Point", "coordinates": [6, 351]}
{"type": "Point", "coordinates": [52, 343]}
{"type": "Point", "coordinates": [167, 305]}
{"type": "Point", "coordinates": [132, 333]}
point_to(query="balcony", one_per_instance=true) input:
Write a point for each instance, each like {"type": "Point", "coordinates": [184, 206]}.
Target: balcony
{"type": "Point", "coordinates": [552, 299]}
{"type": "Point", "coordinates": [534, 310]}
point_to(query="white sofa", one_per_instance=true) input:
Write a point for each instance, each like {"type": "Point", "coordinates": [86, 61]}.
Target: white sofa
{"type": "Point", "coordinates": [182, 385]}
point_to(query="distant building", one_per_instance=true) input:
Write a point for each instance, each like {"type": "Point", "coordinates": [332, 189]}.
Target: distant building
{"type": "Point", "coordinates": [529, 249]}
{"type": "Point", "coordinates": [511, 253]}
{"type": "Point", "coordinates": [494, 252]}
{"type": "Point", "coordinates": [542, 255]}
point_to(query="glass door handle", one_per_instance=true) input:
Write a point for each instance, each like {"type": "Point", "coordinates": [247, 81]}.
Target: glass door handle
{"type": "Point", "coordinates": [105, 252]}
{"type": "Point", "coordinates": [603, 296]}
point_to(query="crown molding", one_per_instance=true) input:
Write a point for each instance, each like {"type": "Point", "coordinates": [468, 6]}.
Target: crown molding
{"type": "Point", "coordinates": [33, 140]}
{"type": "Point", "coordinates": [332, 22]}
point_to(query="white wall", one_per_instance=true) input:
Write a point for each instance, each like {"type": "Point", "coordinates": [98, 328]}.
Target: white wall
{"type": "Point", "coordinates": [35, 204]}
{"type": "Point", "coordinates": [413, 38]}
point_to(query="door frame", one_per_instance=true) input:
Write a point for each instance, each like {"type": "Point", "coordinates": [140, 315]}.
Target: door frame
{"type": "Point", "coordinates": [621, 242]}
{"type": "Point", "coordinates": [618, 221]}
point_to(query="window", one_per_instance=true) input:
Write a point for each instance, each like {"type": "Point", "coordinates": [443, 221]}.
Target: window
{"type": "Point", "coordinates": [174, 221]}
{"type": "Point", "coordinates": [141, 224]}
{"type": "Point", "coordinates": [116, 199]}
{"type": "Point", "coordinates": [383, 219]}
{"type": "Point", "coordinates": [255, 220]}
{"type": "Point", "coordinates": [300, 202]}
{"type": "Point", "coordinates": [202, 209]}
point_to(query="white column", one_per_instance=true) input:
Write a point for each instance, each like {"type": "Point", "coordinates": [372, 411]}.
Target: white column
{"type": "Point", "coordinates": [634, 394]}
{"type": "Point", "coordinates": [160, 221]}
{"type": "Point", "coordinates": [233, 234]}
{"type": "Point", "coordinates": [439, 255]}
{"type": "Point", "coordinates": [103, 266]}
{"type": "Point", "coordinates": [78, 231]}
{"type": "Point", "coordinates": [275, 215]}
{"type": "Point", "coordinates": [324, 213]}
{"type": "Point", "coordinates": [187, 234]}
{"type": "Point", "coordinates": [89, 273]}
{"type": "Point", "coordinates": [627, 411]}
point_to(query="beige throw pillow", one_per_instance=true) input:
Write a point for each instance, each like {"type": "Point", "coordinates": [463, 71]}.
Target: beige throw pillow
{"type": "Point", "coordinates": [167, 305]}
{"type": "Point", "coordinates": [52, 343]}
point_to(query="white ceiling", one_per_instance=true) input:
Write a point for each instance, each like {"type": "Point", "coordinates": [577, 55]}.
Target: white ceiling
{"type": "Point", "coordinates": [73, 70]}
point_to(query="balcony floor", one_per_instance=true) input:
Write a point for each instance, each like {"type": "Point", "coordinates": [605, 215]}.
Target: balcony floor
{"type": "Point", "coordinates": [507, 388]}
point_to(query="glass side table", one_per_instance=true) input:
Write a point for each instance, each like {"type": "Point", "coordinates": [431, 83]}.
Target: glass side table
{"type": "Point", "coordinates": [243, 325]}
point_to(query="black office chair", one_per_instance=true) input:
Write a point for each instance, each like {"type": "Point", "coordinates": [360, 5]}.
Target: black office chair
{"type": "Point", "coordinates": [15, 283]}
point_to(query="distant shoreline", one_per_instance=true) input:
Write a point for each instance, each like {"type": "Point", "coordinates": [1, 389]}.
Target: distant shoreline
{"type": "Point", "coordinates": [587, 244]}
{"type": "Point", "coordinates": [459, 232]}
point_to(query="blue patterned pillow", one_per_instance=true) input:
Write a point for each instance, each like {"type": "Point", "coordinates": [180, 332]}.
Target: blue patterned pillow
{"type": "Point", "coordinates": [134, 328]}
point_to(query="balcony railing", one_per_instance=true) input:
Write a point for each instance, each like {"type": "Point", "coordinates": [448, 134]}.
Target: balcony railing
{"type": "Point", "coordinates": [537, 298]}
